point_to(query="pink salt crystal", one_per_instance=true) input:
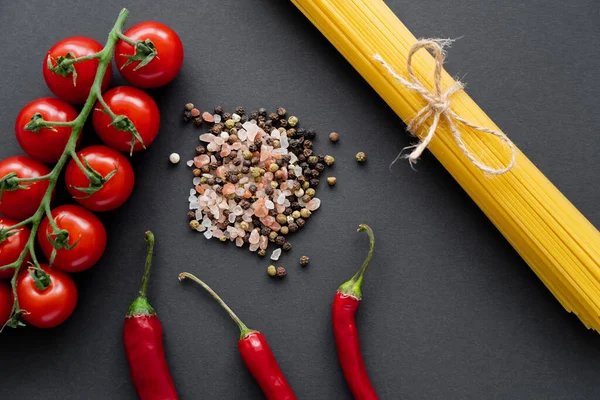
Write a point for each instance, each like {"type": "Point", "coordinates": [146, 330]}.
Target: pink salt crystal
{"type": "Point", "coordinates": [275, 226]}
{"type": "Point", "coordinates": [201, 161]}
{"type": "Point", "coordinates": [221, 172]}
{"type": "Point", "coordinates": [268, 220]}
{"type": "Point", "coordinates": [225, 150]}
{"type": "Point", "coordinates": [208, 117]}
{"type": "Point", "coordinates": [217, 233]}
{"type": "Point", "coordinates": [207, 137]}
{"type": "Point", "coordinates": [283, 186]}
{"type": "Point", "coordinates": [284, 173]}
{"type": "Point", "coordinates": [228, 189]}
{"type": "Point", "coordinates": [239, 242]}
{"type": "Point", "coordinates": [259, 208]}
{"type": "Point", "coordinates": [314, 204]}
{"type": "Point", "coordinates": [269, 176]}
{"type": "Point", "coordinates": [236, 146]}
{"type": "Point", "coordinates": [265, 152]}
{"type": "Point", "coordinates": [219, 140]}
{"type": "Point", "coordinates": [280, 208]}
{"type": "Point", "coordinates": [253, 247]}
{"type": "Point", "coordinates": [212, 146]}
{"type": "Point", "coordinates": [254, 237]}
{"type": "Point", "coordinates": [264, 242]}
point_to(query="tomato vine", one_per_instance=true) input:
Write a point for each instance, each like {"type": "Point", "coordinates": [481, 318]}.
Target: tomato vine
{"type": "Point", "coordinates": [59, 238]}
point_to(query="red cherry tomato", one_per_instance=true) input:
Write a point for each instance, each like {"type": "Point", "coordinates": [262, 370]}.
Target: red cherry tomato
{"type": "Point", "coordinates": [6, 302]}
{"type": "Point", "coordinates": [103, 160]}
{"type": "Point", "coordinates": [135, 105]}
{"type": "Point", "coordinates": [22, 203]}
{"type": "Point", "coordinates": [49, 307]}
{"type": "Point", "coordinates": [63, 86]}
{"type": "Point", "coordinates": [163, 68]}
{"type": "Point", "coordinates": [86, 234]}
{"type": "Point", "coordinates": [11, 248]}
{"type": "Point", "coordinates": [45, 145]}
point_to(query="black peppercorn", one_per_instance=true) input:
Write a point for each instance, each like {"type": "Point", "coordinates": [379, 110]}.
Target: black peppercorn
{"type": "Point", "coordinates": [307, 144]}
{"type": "Point", "coordinates": [268, 123]}
{"type": "Point", "coordinates": [247, 163]}
{"type": "Point", "coordinates": [245, 204]}
{"type": "Point", "coordinates": [304, 261]}
{"type": "Point", "coordinates": [254, 114]}
{"type": "Point", "coordinates": [191, 215]}
{"type": "Point", "coordinates": [219, 190]}
{"type": "Point", "coordinates": [200, 150]}
{"type": "Point", "coordinates": [274, 117]}
{"type": "Point", "coordinates": [279, 163]}
{"type": "Point", "coordinates": [233, 179]}
{"type": "Point", "coordinates": [213, 165]}
{"type": "Point", "coordinates": [269, 141]}
{"type": "Point", "coordinates": [226, 160]}
{"type": "Point", "coordinates": [245, 170]}
{"type": "Point", "coordinates": [281, 272]}
{"type": "Point", "coordinates": [293, 227]}
{"type": "Point", "coordinates": [238, 125]}
{"type": "Point", "coordinates": [306, 198]}
{"type": "Point", "coordinates": [315, 173]}
{"type": "Point", "coordinates": [287, 211]}
{"type": "Point", "coordinates": [300, 222]}
{"type": "Point", "coordinates": [197, 172]}
{"type": "Point", "coordinates": [210, 181]}
{"type": "Point", "coordinates": [283, 122]}
{"type": "Point", "coordinates": [226, 213]}
{"type": "Point", "coordinates": [240, 110]}
{"type": "Point", "coordinates": [265, 231]}
{"type": "Point", "coordinates": [291, 174]}
{"type": "Point", "coordinates": [239, 219]}
{"type": "Point", "coordinates": [237, 162]}
{"type": "Point", "coordinates": [269, 191]}
{"type": "Point", "coordinates": [307, 172]}
{"type": "Point", "coordinates": [287, 246]}
{"type": "Point", "coordinates": [262, 111]}
{"type": "Point", "coordinates": [252, 189]}
{"type": "Point", "coordinates": [262, 125]}
{"type": "Point", "coordinates": [295, 206]}
{"type": "Point", "coordinates": [279, 240]}
{"type": "Point", "coordinates": [252, 148]}
{"type": "Point", "coordinates": [320, 167]}
{"type": "Point", "coordinates": [237, 199]}
{"type": "Point", "coordinates": [300, 131]}
{"type": "Point", "coordinates": [219, 110]}
{"type": "Point", "coordinates": [281, 111]}
{"type": "Point", "coordinates": [314, 182]}
{"type": "Point", "coordinates": [198, 121]}
{"type": "Point", "coordinates": [216, 130]}
{"type": "Point", "coordinates": [226, 116]}
{"type": "Point", "coordinates": [286, 158]}
{"type": "Point", "coordinates": [273, 213]}
{"type": "Point", "coordinates": [311, 133]}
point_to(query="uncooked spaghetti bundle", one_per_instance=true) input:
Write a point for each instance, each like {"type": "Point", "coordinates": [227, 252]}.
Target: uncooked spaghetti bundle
{"type": "Point", "coordinates": [560, 245]}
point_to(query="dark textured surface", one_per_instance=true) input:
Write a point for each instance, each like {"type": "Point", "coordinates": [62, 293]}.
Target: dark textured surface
{"type": "Point", "coordinates": [450, 310]}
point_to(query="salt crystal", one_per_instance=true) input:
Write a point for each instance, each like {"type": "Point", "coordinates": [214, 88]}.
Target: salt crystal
{"type": "Point", "coordinates": [239, 242]}
{"type": "Point", "coordinates": [224, 135]}
{"type": "Point", "coordinates": [253, 247]}
{"type": "Point", "coordinates": [192, 191]}
{"type": "Point", "coordinates": [281, 198]}
{"type": "Point", "coordinates": [275, 255]}
{"type": "Point", "coordinates": [207, 176]}
{"type": "Point", "coordinates": [212, 146]}
{"type": "Point", "coordinates": [284, 142]}
{"type": "Point", "coordinates": [208, 117]}
{"type": "Point", "coordinates": [215, 211]}
{"type": "Point", "coordinates": [280, 208]}
{"type": "Point", "coordinates": [247, 218]}
{"type": "Point", "coordinates": [243, 180]}
{"type": "Point", "coordinates": [198, 215]}
{"type": "Point", "coordinates": [269, 204]}
{"type": "Point", "coordinates": [192, 198]}
{"type": "Point", "coordinates": [217, 233]}
{"type": "Point", "coordinates": [265, 152]}
{"type": "Point", "coordinates": [235, 117]}
{"type": "Point", "coordinates": [236, 146]}
{"type": "Point", "coordinates": [254, 237]}
{"type": "Point", "coordinates": [275, 134]}
{"type": "Point", "coordinates": [231, 218]}
{"type": "Point", "coordinates": [201, 161]}
{"type": "Point", "coordinates": [225, 150]}
{"type": "Point", "coordinates": [213, 159]}
{"type": "Point", "coordinates": [237, 210]}
{"type": "Point", "coordinates": [206, 222]}
{"type": "Point", "coordinates": [219, 140]}
{"type": "Point", "coordinates": [264, 242]}
{"type": "Point", "coordinates": [207, 137]}
{"type": "Point", "coordinates": [196, 181]}
{"type": "Point", "coordinates": [240, 191]}
{"type": "Point", "coordinates": [193, 205]}
{"type": "Point", "coordinates": [279, 151]}
{"type": "Point", "coordinates": [314, 204]}
{"type": "Point", "coordinates": [252, 131]}
{"type": "Point", "coordinates": [201, 228]}
{"type": "Point", "coordinates": [293, 158]}
{"type": "Point", "coordinates": [208, 234]}
{"type": "Point", "coordinates": [290, 219]}
{"type": "Point", "coordinates": [242, 134]}
{"type": "Point", "coordinates": [190, 163]}
{"type": "Point", "coordinates": [217, 118]}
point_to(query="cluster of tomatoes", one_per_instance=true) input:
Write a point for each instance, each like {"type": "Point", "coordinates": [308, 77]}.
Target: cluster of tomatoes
{"type": "Point", "coordinates": [52, 305]}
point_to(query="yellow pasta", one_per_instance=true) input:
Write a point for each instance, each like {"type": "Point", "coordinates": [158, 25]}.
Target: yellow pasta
{"type": "Point", "coordinates": [560, 245]}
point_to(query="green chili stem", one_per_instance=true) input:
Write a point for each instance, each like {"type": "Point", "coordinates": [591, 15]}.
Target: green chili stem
{"type": "Point", "coordinates": [104, 57]}
{"type": "Point", "coordinates": [148, 267]}
{"type": "Point", "coordinates": [352, 286]}
{"type": "Point", "coordinates": [244, 330]}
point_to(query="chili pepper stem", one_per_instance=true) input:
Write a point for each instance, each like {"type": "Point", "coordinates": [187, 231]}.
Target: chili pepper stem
{"type": "Point", "coordinates": [244, 330]}
{"type": "Point", "coordinates": [352, 287]}
{"type": "Point", "coordinates": [141, 306]}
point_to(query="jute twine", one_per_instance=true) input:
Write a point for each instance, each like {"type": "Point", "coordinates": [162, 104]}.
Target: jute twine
{"type": "Point", "coordinates": [438, 106]}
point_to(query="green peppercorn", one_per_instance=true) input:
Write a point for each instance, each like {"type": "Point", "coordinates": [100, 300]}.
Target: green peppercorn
{"type": "Point", "coordinates": [274, 184]}
{"type": "Point", "coordinates": [332, 180]}
{"type": "Point", "coordinates": [284, 230]}
{"type": "Point", "coordinates": [313, 160]}
{"type": "Point", "coordinates": [361, 157]}
{"type": "Point", "coordinates": [194, 224]}
{"type": "Point", "coordinates": [272, 236]}
{"type": "Point", "coordinates": [281, 219]}
{"type": "Point", "coordinates": [262, 252]}
{"type": "Point", "coordinates": [305, 213]}
{"type": "Point", "coordinates": [293, 121]}
{"type": "Point", "coordinates": [281, 272]}
{"type": "Point", "coordinates": [229, 124]}
{"type": "Point", "coordinates": [279, 240]}
{"type": "Point", "coordinates": [299, 193]}
{"type": "Point", "coordinates": [271, 270]}
{"type": "Point", "coordinates": [329, 160]}
{"type": "Point", "coordinates": [223, 239]}
{"type": "Point", "coordinates": [281, 130]}
{"type": "Point", "coordinates": [244, 225]}
{"type": "Point", "coordinates": [296, 214]}
{"type": "Point", "coordinates": [311, 192]}
{"type": "Point", "coordinates": [305, 185]}
{"type": "Point", "coordinates": [203, 180]}
{"type": "Point", "coordinates": [189, 107]}
{"type": "Point", "coordinates": [255, 172]}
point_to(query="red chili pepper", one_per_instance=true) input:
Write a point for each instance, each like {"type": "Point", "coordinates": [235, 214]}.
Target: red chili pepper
{"type": "Point", "coordinates": [255, 352]}
{"type": "Point", "coordinates": [143, 337]}
{"type": "Point", "coordinates": [345, 304]}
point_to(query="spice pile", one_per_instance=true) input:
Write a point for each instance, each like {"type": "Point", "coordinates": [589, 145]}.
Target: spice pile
{"type": "Point", "coordinates": [255, 177]}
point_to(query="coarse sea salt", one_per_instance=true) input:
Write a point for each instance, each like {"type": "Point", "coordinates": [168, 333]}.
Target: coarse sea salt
{"type": "Point", "coordinates": [189, 163]}
{"type": "Point", "coordinates": [276, 254]}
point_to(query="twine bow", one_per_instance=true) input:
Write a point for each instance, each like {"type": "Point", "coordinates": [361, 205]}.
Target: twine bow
{"type": "Point", "coordinates": [438, 106]}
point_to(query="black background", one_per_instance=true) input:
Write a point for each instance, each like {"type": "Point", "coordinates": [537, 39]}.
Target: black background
{"type": "Point", "coordinates": [450, 310]}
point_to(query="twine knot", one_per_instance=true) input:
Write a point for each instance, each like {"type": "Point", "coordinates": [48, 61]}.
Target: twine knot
{"type": "Point", "coordinates": [439, 106]}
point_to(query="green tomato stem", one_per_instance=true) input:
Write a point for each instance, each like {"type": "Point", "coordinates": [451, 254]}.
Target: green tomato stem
{"type": "Point", "coordinates": [67, 62]}
{"type": "Point", "coordinates": [104, 58]}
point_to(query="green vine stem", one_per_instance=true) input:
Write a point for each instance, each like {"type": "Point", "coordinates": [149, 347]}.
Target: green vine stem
{"type": "Point", "coordinates": [11, 182]}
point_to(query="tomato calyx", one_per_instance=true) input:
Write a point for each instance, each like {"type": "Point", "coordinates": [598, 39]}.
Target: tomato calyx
{"type": "Point", "coordinates": [63, 69]}
{"type": "Point", "coordinates": [40, 278]}
{"type": "Point", "coordinates": [145, 51]}
{"type": "Point", "coordinates": [10, 182]}
{"type": "Point", "coordinates": [123, 123]}
{"type": "Point", "coordinates": [6, 233]}
{"type": "Point", "coordinates": [59, 239]}
{"type": "Point", "coordinates": [37, 122]}
{"type": "Point", "coordinates": [97, 181]}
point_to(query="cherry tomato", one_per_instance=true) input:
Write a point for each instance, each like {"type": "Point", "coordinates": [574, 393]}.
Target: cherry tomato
{"type": "Point", "coordinates": [49, 307]}
{"type": "Point", "coordinates": [22, 203]}
{"type": "Point", "coordinates": [45, 145]}
{"type": "Point", "coordinates": [163, 68]}
{"type": "Point", "coordinates": [63, 86]}
{"type": "Point", "coordinates": [11, 248]}
{"type": "Point", "coordinates": [135, 105]}
{"type": "Point", "coordinates": [86, 234]}
{"type": "Point", "coordinates": [6, 302]}
{"type": "Point", "coordinates": [103, 160]}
